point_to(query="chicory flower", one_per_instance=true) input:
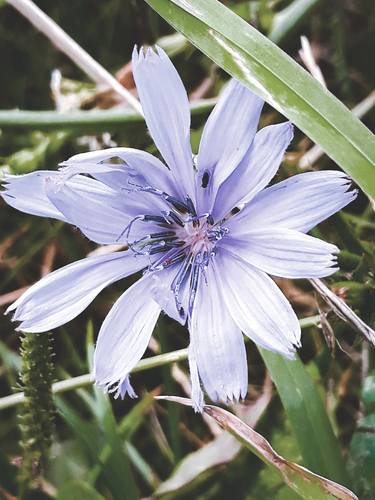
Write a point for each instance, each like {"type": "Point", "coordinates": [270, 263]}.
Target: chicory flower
{"type": "Point", "coordinates": [205, 230]}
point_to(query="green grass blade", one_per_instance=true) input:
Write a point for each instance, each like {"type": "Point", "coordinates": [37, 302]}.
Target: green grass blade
{"type": "Point", "coordinates": [287, 21]}
{"type": "Point", "coordinates": [318, 445]}
{"type": "Point", "coordinates": [256, 61]}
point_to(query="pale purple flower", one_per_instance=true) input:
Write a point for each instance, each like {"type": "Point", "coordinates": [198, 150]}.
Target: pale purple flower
{"type": "Point", "coordinates": [205, 230]}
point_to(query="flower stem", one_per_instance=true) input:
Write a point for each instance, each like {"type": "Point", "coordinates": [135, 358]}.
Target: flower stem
{"type": "Point", "coordinates": [145, 364]}
{"type": "Point", "coordinates": [85, 120]}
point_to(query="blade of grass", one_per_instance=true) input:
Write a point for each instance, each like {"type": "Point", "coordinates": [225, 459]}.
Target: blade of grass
{"type": "Point", "coordinates": [173, 411]}
{"type": "Point", "coordinates": [318, 445]}
{"type": "Point", "coordinates": [75, 52]}
{"type": "Point", "coordinates": [287, 21]}
{"type": "Point", "coordinates": [343, 311]}
{"type": "Point", "coordinates": [103, 447]}
{"type": "Point", "coordinates": [258, 63]}
{"type": "Point", "coordinates": [142, 466]}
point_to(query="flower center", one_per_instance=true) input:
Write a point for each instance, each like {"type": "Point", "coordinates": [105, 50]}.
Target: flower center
{"type": "Point", "coordinates": [185, 234]}
{"type": "Point", "coordinates": [196, 235]}
{"type": "Point", "coordinates": [182, 238]}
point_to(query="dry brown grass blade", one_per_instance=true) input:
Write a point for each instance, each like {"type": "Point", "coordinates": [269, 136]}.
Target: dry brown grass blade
{"type": "Point", "coordinates": [343, 311]}
{"type": "Point", "coordinates": [75, 52]}
{"type": "Point", "coordinates": [222, 450]}
{"type": "Point", "coordinates": [304, 482]}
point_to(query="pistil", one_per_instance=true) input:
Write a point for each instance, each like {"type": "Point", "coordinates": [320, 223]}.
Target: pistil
{"type": "Point", "coordinates": [185, 239]}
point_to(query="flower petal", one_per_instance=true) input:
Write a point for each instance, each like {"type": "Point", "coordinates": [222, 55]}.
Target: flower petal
{"type": "Point", "coordinates": [197, 396]}
{"type": "Point", "coordinates": [63, 294]}
{"type": "Point", "coordinates": [139, 168]}
{"type": "Point", "coordinates": [101, 213]}
{"type": "Point", "coordinates": [98, 221]}
{"type": "Point", "coordinates": [257, 305]}
{"type": "Point", "coordinates": [172, 298]}
{"type": "Point", "coordinates": [166, 108]}
{"type": "Point", "coordinates": [125, 334]}
{"type": "Point", "coordinates": [255, 171]}
{"type": "Point", "coordinates": [283, 252]}
{"type": "Point", "coordinates": [27, 194]}
{"type": "Point", "coordinates": [227, 135]}
{"type": "Point", "coordinates": [299, 203]}
{"type": "Point", "coordinates": [217, 342]}
{"type": "Point", "coordinates": [125, 388]}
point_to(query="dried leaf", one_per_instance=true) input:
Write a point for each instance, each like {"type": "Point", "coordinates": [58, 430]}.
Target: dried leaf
{"type": "Point", "coordinates": [221, 450]}
{"type": "Point", "coordinates": [304, 482]}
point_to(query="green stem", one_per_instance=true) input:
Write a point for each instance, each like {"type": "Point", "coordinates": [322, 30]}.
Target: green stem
{"type": "Point", "coordinates": [144, 364]}
{"type": "Point", "coordinates": [85, 120]}
{"type": "Point", "coordinates": [87, 379]}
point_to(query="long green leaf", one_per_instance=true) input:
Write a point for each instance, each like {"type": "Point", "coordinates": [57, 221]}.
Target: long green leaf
{"type": "Point", "coordinates": [102, 445]}
{"type": "Point", "coordinates": [257, 62]}
{"type": "Point", "coordinates": [303, 405]}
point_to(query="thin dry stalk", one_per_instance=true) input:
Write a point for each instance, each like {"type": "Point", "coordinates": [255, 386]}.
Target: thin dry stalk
{"type": "Point", "coordinates": [343, 311]}
{"type": "Point", "coordinates": [70, 48]}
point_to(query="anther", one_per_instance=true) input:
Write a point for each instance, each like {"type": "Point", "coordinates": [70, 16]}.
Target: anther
{"type": "Point", "coordinates": [190, 206]}
{"type": "Point", "coordinates": [153, 218]}
{"type": "Point", "coordinates": [159, 247]}
{"type": "Point", "coordinates": [205, 179]}
{"type": "Point", "coordinates": [174, 244]}
{"type": "Point", "coordinates": [171, 215]}
{"type": "Point", "coordinates": [162, 234]}
{"type": "Point", "coordinates": [177, 204]}
{"type": "Point", "coordinates": [210, 220]}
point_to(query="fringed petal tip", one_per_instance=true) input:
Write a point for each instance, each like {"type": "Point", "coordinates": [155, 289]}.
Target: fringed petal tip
{"type": "Point", "coordinates": [142, 53]}
{"type": "Point", "coordinates": [227, 394]}
{"type": "Point", "coordinates": [15, 318]}
{"type": "Point", "coordinates": [119, 389]}
{"type": "Point", "coordinates": [232, 398]}
{"type": "Point", "coordinates": [10, 309]}
{"type": "Point", "coordinates": [354, 192]}
{"type": "Point", "coordinates": [7, 178]}
{"type": "Point", "coordinates": [297, 344]}
{"type": "Point", "coordinates": [346, 180]}
{"type": "Point", "coordinates": [4, 180]}
{"type": "Point", "coordinates": [290, 352]}
{"type": "Point", "coordinates": [18, 315]}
